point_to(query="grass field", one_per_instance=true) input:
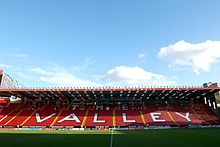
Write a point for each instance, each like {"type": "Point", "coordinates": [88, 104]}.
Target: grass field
{"type": "Point", "coordinates": [138, 138]}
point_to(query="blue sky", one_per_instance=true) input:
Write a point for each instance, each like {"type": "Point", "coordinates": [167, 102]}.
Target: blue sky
{"type": "Point", "coordinates": [110, 43]}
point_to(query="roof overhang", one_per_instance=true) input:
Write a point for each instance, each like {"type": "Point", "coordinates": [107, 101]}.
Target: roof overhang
{"type": "Point", "coordinates": [110, 93]}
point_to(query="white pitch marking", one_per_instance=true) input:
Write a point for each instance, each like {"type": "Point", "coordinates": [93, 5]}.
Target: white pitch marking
{"type": "Point", "coordinates": [111, 143]}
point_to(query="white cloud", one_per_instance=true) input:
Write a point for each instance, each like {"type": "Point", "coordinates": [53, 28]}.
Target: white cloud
{"type": "Point", "coordinates": [5, 66]}
{"type": "Point", "coordinates": [119, 76]}
{"type": "Point", "coordinates": [198, 56]}
{"type": "Point", "coordinates": [14, 55]}
{"type": "Point", "coordinates": [136, 76]}
{"type": "Point", "coordinates": [142, 56]}
{"type": "Point", "coordinates": [60, 77]}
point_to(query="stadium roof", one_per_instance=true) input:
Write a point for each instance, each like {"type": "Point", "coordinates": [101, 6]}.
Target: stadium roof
{"type": "Point", "coordinates": [110, 93]}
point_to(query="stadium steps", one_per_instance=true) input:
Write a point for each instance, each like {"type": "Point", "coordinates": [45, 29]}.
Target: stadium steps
{"type": "Point", "coordinates": [4, 118]}
{"type": "Point", "coordinates": [144, 107]}
{"type": "Point", "coordinates": [166, 117]}
{"type": "Point", "coordinates": [212, 115]}
{"type": "Point", "coordinates": [56, 118]}
{"type": "Point", "coordinates": [42, 108]}
{"type": "Point", "coordinates": [201, 109]}
{"type": "Point", "coordinates": [105, 115]}
{"type": "Point", "coordinates": [146, 113]}
{"type": "Point", "coordinates": [68, 107]}
{"type": "Point", "coordinates": [114, 118]}
{"type": "Point", "coordinates": [20, 118]}
{"type": "Point", "coordinates": [8, 105]}
{"type": "Point", "coordinates": [28, 117]}
{"type": "Point", "coordinates": [85, 118]}
{"type": "Point", "coordinates": [171, 117]}
{"type": "Point", "coordinates": [13, 118]}
{"type": "Point", "coordinates": [203, 121]}
{"type": "Point", "coordinates": [142, 117]}
{"type": "Point", "coordinates": [209, 117]}
{"type": "Point", "coordinates": [1, 109]}
{"type": "Point", "coordinates": [168, 108]}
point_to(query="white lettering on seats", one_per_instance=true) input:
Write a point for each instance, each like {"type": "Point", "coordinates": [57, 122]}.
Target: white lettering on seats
{"type": "Point", "coordinates": [124, 107]}
{"type": "Point", "coordinates": [184, 116]}
{"type": "Point", "coordinates": [126, 120]}
{"type": "Point", "coordinates": [99, 107]}
{"type": "Point", "coordinates": [95, 120]}
{"type": "Point", "coordinates": [39, 120]}
{"type": "Point", "coordinates": [71, 117]}
{"type": "Point", "coordinates": [3, 118]}
{"type": "Point", "coordinates": [155, 116]}
{"type": "Point", "coordinates": [74, 107]}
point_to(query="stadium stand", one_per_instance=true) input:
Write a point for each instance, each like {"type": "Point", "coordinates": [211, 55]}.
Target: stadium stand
{"type": "Point", "coordinates": [104, 107]}
{"type": "Point", "coordinates": [17, 115]}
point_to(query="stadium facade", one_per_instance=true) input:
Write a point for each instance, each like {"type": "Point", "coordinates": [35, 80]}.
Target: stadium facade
{"type": "Point", "coordinates": [106, 107]}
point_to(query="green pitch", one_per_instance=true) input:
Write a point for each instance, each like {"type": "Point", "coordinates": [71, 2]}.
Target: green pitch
{"type": "Point", "coordinates": [141, 138]}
